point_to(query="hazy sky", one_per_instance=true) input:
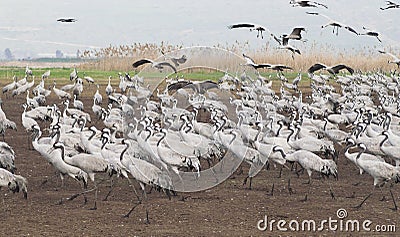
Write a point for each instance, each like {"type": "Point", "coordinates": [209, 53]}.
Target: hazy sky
{"type": "Point", "coordinates": [31, 26]}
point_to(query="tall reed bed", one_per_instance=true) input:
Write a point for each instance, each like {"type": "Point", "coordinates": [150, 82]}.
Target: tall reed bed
{"type": "Point", "coordinates": [365, 59]}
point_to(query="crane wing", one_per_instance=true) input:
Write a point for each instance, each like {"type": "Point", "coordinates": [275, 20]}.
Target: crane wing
{"type": "Point", "coordinates": [182, 59]}
{"type": "Point", "coordinates": [241, 25]}
{"type": "Point", "coordinates": [249, 61]}
{"type": "Point", "coordinates": [161, 64]}
{"type": "Point", "coordinates": [178, 85]}
{"type": "Point", "coordinates": [315, 67]}
{"type": "Point", "coordinates": [297, 31]}
{"type": "Point", "coordinates": [390, 3]}
{"type": "Point", "coordinates": [320, 4]}
{"type": "Point", "coordinates": [351, 30]}
{"type": "Point", "coordinates": [391, 55]}
{"type": "Point", "coordinates": [66, 20]}
{"type": "Point", "coordinates": [10, 124]}
{"type": "Point", "coordinates": [319, 14]}
{"type": "Point", "coordinates": [263, 65]}
{"type": "Point", "coordinates": [276, 39]}
{"type": "Point", "coordinates": [141, 62]}
{"type": "Point", "coordinates": [281, 67]}
{"type": "Point", "coordinates": [178, 61]}
{"type": "Point", "coordinates": [7, 148]}
{"type": "Point", "coordinates": [296, 50]}
{"type": "Point", "coordinates": [339, 67]}
{"type": "Point", "coordinates": [206, 85]}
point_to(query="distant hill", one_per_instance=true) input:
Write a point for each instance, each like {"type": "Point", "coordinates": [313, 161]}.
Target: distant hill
{"type": "Point", "coordinates": [56, 60]}
{"type": "Point", "coordinates": [45, 62]}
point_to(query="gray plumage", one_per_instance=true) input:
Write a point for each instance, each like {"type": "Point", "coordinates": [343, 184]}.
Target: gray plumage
{"type": "Point", "coordinates": [13, 182]}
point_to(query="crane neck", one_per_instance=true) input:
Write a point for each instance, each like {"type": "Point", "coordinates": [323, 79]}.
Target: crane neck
{"type": "Point", "coordinates": [125, 149]}
{"type": "Point", "coordinates": [291, 134]}
{"type": "Point", "coordinates": [348, 147]}
{"type": "Point", "coordinates": [162, 137]}
{"type": "Point", "coordinates": [62, 148]}
{"type": "Point", "coordinates": [280, 150]}
{"type": "Point", "coordinates": [92, 135]}
{"type": "Point", "coordinates": [384, 139]}
{"type": "Point", "coordinates": [360, 153]}
{"type": "Point", "coordinates": [105, 141]}
{"type": "Point", "coordinates": [233, 138]}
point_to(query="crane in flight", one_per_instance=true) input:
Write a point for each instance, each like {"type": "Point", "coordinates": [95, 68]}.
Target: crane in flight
{"type": "Point", "coordinates": [253, 27]}
{"type": "Point", "coordinates": [390, 5]}
{"type": "Point", "coordinates": [331, 69]}
{"type": "Point", "coordinates": [283, 40]}
{"type": "Point", "coordinates": [176, 61]}
{"type": "Point", "coordinates": [395, 60]}
{"type": "Point", "coordinates": [67, 20]}
{"type": "Point", "coordinates": [302, 3]}
{"type": "Point", "coordinates": [335, 24]}
{"type": "Point", "coordinates": [294, 35]}
{"type": "Point", "coordinates": [250, 62]}
{"type": "Point", "coordinates": [371, 33]}
{"type": "Point", "coordinates": [154, 64]}
{"type": "Point", "coordinates": [277, 67]}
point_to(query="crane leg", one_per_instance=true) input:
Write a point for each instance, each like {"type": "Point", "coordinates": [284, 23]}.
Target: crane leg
{"type": "Point", "coordinates": [134, 190]}
{"type": "Point", "coordinates": [363, 201]}
{"type": "Point", "coordinates": [62, 180]}
{"type": "Point", "coordinates": [131, 210]}
{"type": "Point", "coordinates": [214, 174]}
{"type": "Point", "coordinates": [298, 171]}
{"type": "Point", "coordinates": [95, 197]}
{"type": "Point", "coordinates": [280, 172]}
{"type": "Point", "coordinates": [383, 195]}
{"type": "Point", "coordinates": [168, 193]}
{"type": "Point", "coordinates": [29, 145]}
{"type": "Point", "coordinates": [240, 171]}
{"type": "Point", "coordinates": [290, 188]}
{"type": "Point", "coordinates": [147, 217]}
{"type": "Point", "coordinates": [331, 192]}
{"type": "Point", "coordinates": [151, 189]}
{"type": "Point", "coordinates": [245, 180]}
{"type": "Point", "coordinates": [143, 191]}
{"type": "Point", "coordinates": [306, 197]}
{"type": "Point", "coordinates": [309, 180]}
{"type": "Point", "coordinates": [272, 190]}
{"type": "Point", "coordinates": [109, 191]}
{"type": "Point", "coordinates": [394, 202]}
{"type": "Point", "coordinates": [77, 195]}
{"type": "Point", "coordinates": [251, 178]}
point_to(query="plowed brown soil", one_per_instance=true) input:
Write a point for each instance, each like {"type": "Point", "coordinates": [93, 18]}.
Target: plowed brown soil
{"type": "Point", "coordinates": [229, 209]}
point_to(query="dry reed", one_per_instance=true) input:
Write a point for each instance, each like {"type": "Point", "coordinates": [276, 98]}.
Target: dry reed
{"type": "Point", "coordinates": [121, 57]}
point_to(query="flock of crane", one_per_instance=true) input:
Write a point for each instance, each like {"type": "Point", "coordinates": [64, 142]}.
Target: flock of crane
{"type": "Point", "coordinates": [161, 139]}
{"type": "Point", "coordinates": [151, 137]}
{"type": "Point", "coordinates": [296, 33]}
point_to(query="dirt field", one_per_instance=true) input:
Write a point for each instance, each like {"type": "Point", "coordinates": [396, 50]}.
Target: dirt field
{"type": "Point", "coordinates": [229, 209]}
